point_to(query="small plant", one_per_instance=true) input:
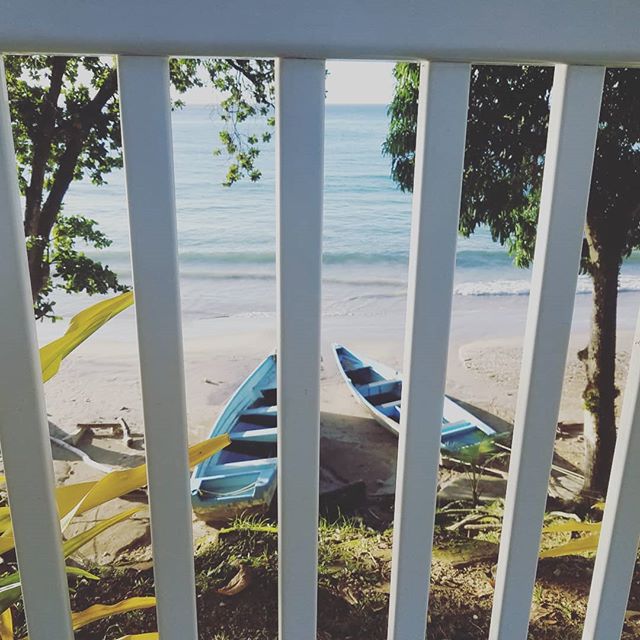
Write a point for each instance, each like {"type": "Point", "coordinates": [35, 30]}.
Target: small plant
{"type": "Point", "coordinates": [475, 461]}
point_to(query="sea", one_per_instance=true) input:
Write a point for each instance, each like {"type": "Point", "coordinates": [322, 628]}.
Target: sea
{"type": "Point", "coordinates": [227, 234]}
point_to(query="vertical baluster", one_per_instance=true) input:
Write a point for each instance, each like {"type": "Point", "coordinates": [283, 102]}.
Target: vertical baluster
{"type": "Point", "coordinates": [575, 106]}
{"type": "Point", "coordinates": [442, 120]}
{"type": "Point", "coordinates": [24, 430]}
{"type": "Point", "coordinates": [299, 168]}
{"type": "Point", "coordinates": [616, 558]}
{"type": "Point", "coordinates": [146, 131]}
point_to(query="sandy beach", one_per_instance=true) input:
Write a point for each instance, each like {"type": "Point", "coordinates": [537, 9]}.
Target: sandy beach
{"type": "Point", "coordinates": [227, 266]}
{"type": "Point", "coordinates": [99, 383]}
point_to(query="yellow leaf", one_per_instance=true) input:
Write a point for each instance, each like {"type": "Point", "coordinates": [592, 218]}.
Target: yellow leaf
{"type": "Point", "coordinates": [72, 545]}
{"type": "Point", "coordinates": [142, 636]}
{"type": "Point", "coordinates": [5, 519]}
{"type": "Point", "coordinates": [6, 542]}
{"type": "Point", "coordinates": [69, 496]}
{"type": "Point", "coordinates": [80, 328]}
{"type": "Point", "coordinates": [6, 625]}
{"type": "Point", "coordinates": [100, 611]}
{"type": "Point", "coordinates": [119, 483]}
{"type": "Point", "coordinates": [580, 545]}
{"type": "Point", "coordinates": [572, 527]}
{"type": "Point", "coordinates": [114, 485]}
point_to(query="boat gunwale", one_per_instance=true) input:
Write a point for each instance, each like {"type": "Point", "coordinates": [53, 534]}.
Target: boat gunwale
{"type": "Point", "coordinates": [384, 420]}
{"type": "Point", "coordinates": [195, 478]}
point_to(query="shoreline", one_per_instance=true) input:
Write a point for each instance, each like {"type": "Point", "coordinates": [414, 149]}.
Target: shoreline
{"type": "Point", "coordinates": [99, 383]}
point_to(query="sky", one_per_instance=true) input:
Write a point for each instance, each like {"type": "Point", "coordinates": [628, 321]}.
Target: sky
{"type": "Point", "coordinates": [348, 82]}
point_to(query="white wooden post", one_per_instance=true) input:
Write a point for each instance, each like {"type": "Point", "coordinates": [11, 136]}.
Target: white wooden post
{"type": "Point", "coordinates": [146, 132]}
{"type": "Point", "coordinates": [442, 120]}
{"type": "Point", "coordinates": [299, 189]}
{"type": "Point", "coordinates": [24, 430]}
{"type": "Point", "coordinates": [616, 558]}
{"type": "Point", "coordinates": [575, 107]}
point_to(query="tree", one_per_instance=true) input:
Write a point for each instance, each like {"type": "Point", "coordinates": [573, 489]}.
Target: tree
{"type": "Point", "coordinates": [504, 160]}
{"type": "Point", "coordinates": [66, 126]}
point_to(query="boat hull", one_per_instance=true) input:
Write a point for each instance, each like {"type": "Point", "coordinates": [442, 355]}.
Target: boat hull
{"type": "Point", "coordinates": [241, 479]}
{"type": "Point", "coordinates": [378, 388]}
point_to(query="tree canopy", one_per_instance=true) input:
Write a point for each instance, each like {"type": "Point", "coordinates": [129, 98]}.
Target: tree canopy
{"type": "Point", "coordinates": [66, 125]}
{"type": "Point", "coordinates": [504, 156]}
{"type": "Point", "coordinates": [504, 161]}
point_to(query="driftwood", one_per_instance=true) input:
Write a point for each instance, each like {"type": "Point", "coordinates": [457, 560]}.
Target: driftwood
{"type": "Point", "coordinates": [119, 429]}
{"type": "Point", "coordinates": [115, 427]}
{"type": "Point", "coordinates": [85, 457]}
{"type": "Point", "coordinates": [127, 436]}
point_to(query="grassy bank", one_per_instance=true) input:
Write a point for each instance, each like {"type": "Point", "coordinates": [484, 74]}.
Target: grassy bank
{"type": "Point", "coordinates": [236, 578]}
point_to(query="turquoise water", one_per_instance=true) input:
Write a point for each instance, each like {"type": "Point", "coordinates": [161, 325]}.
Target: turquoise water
{"type": "Point", "coordinates": [227, 235]}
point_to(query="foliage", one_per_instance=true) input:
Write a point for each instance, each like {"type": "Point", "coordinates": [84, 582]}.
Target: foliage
{"type": "Point", "coordinates": [87, 496]}
{"type": "Point", "coordinates": [504, 160]}
{"type": "Point", "coordinates": [564, 534]}
{"type": "Point", "coordinates": [249, 89]}
{"type": "Point", "coordinates": [78, 498]}
{"type": "Point", "coordinates": [80, 328]}
{"type": "Point", "coordinates": [475, 460]}
{"type": "Point", "coordinates": [66, 125]}
{"type": "Point", "coordinates": [94, 494]}
{"type": "Point", "coordinates": [504, 156]}
{"type": "Point", "coordinates": [575, 545]}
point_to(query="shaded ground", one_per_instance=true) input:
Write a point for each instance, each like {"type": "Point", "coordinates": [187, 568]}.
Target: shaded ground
{"type": "Point", "coordinates": [354, 573]}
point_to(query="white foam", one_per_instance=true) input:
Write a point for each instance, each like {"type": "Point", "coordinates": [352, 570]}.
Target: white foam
{"type": "Point", "coordinates": [522, 287]}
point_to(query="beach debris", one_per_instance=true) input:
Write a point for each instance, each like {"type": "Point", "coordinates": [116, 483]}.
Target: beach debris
{"type": "Point", "coordinates": [85, 457]}
{"type": "Point", "coordinates": [213, 382]}
{"type": "Point", "coordinates": [127, 436]}
{"type": "Point", "coordinates": [569, 429]}
{"type": "Point", "coordinates": [119, 429]}
{"type": "Point", "coordinates": [115, 427]}
{"type": "Point", "coordinates": [76, 437]}
{"type": "Point", "coordinates": [240, 581]}
{"type": "Point", "coordinates": [349, 597]}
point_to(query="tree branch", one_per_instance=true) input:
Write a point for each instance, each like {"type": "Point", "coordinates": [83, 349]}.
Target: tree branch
{"type": "Point", "coordinates": [76, 136]}
{"type": "Point", "coordinates": [42, 145]}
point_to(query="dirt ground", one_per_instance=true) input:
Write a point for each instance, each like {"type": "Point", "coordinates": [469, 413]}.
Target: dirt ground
{"type": "Point", "coordinates": [354, 574]}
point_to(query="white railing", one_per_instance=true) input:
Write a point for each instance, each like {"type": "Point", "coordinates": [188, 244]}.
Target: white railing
{"type": "Point", "coordinates": [452, 34]}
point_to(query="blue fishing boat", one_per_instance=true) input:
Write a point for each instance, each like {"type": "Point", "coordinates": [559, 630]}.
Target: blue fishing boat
{"type": "Point", "coordinates": [378, 387]}
{"type": "Point", "coordinates": [241, 478]}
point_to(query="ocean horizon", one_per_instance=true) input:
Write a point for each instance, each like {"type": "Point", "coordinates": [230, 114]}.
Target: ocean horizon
{"type": "Point", "coordinates": [227, 234]}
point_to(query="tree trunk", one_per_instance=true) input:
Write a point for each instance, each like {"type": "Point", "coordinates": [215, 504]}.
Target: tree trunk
{"type": "Point", "coordinates": [40, 216]}
{"type": "Point", "coordinates": [38, 268]}
{"type": "Point", "coordinates": [601, 391]}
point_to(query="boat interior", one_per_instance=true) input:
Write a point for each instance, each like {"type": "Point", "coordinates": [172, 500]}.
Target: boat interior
{"type": "Point", "coordinates": [384, 394]}
{"type": "Point", "coordinates": [254, 434]}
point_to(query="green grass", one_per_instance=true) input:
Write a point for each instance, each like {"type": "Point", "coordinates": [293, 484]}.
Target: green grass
{"type": "Point", "coordinates": [353, 584]}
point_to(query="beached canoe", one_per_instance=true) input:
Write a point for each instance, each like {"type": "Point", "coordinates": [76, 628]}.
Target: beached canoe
{"type": "Point", "coordinates": [241, 478]}
{"type": "Point", "coordinates": [378, 387]}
